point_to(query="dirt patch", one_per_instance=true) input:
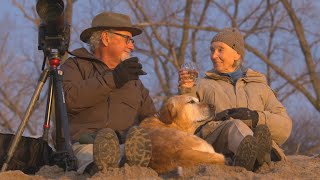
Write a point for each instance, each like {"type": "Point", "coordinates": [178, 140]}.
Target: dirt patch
{"type": "Point", "coordinates": [297, 167]}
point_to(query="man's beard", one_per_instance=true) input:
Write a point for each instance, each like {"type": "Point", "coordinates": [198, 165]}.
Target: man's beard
{"type": "Point", "coordinates": [124, 56]}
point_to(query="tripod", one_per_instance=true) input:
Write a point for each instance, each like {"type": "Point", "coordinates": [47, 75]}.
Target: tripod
{"type": "Point", "coordinates": [63, 156]}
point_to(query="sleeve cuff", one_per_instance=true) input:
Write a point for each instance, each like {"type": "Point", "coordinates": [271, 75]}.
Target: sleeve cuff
{"type": "Point", "coordinates": [262, 118]}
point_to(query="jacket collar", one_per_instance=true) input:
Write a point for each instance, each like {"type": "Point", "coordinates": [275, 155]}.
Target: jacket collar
{"type": "Point", "coordinates": [84, 54]}
{"type": "Point", "coordinates": [234, 76]}
{"type": "Point", "coordinates": [249, 76]}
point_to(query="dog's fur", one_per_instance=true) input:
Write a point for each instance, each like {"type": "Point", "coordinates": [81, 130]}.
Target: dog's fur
{"type": "Point", "coordinates": [173, 142]}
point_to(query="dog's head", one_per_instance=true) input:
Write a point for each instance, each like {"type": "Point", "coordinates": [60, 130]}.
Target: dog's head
{"type": "Point", "coordinates": [186, 112]}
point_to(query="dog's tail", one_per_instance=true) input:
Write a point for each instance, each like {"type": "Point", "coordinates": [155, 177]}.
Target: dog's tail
{"type": "Point", "coordinates": [218, 158]}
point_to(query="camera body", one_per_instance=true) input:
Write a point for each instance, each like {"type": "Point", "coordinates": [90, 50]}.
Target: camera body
{"type": "Point", "coordinates": [54, 32]}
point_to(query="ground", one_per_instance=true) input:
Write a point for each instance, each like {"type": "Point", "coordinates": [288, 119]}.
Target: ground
{"type": "Point", "coordinates": [297, 167]}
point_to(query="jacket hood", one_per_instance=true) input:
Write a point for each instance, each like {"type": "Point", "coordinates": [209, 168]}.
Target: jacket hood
{"type": "Point", "coordinates": [250, 76]}
{"type": "Point", "coordinates": [83, 53]}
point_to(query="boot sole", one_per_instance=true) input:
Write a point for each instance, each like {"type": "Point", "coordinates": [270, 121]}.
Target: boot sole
{"type": "Point", "coordinates": [263, 136]}
{"type": "Point", "coordinates": [106, 149]}
{"type": "Point", "coordinates": [138, 147]}
{"type": "Point", "coordinates": [247, 153]}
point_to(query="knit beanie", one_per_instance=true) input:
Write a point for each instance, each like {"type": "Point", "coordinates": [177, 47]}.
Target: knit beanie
{"type": "Point", "coordinates": [233, 38]}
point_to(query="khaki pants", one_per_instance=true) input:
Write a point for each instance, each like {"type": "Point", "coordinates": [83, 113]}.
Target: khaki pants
{"type": "Point", "coordinates": [84, 155]}
{"type": "Point", "coordinates": [225, 136]}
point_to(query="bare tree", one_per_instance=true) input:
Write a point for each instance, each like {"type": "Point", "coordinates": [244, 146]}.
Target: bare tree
{"type": "Point", "coordinates": [309, 61]}
{"type": "Point", "coordinates": [20, 74]}
{"type": "Point", "coordinates": [170, 28]}
{"type": "Point", "coordinates": [301, 142]}
{"type": "Point", "coordinates": [15, 86]}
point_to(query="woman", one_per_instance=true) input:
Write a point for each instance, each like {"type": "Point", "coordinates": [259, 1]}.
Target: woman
{"type": "Point", "coordinates": [248, 114]}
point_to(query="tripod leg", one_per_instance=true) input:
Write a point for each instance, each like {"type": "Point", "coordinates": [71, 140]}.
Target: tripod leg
{"type": "Point", "coordinates": [63, 141]}
{"type": "Point", "coordinates": [27, 115]}
{"type": "Point", "coordinates": [46, 124]}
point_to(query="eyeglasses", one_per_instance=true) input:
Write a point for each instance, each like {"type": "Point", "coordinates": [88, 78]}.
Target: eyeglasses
{"type": "Point", "coordinates": [128, 38]}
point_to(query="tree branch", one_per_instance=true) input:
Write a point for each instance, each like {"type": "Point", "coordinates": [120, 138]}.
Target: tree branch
{"type": "Point", "coordinates": [284, 75]}
{"type": "Point", "coordinates": [185, 32]}
{"type": "Point", "coordinates": [305, 49]}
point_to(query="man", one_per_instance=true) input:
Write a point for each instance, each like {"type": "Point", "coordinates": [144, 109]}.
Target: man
{"type": "Point", "coordinates": [249, 119]}
{"type": "Point", "coordinates": [105, 97]}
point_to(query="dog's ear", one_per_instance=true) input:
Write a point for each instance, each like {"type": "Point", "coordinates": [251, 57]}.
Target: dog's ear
{"type": "Point", "coordinates": [168, 113]}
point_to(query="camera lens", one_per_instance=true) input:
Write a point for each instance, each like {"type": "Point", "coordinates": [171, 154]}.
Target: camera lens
{"type": "Point", "coordinates": [49, 10]}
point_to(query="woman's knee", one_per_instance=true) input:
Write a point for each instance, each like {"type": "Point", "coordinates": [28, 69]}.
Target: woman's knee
{"type": "Point", "coordinates": [237, 126]}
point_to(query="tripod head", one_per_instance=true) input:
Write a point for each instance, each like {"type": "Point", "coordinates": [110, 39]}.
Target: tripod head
{"type": "Point", "coordinates": [54, 32]}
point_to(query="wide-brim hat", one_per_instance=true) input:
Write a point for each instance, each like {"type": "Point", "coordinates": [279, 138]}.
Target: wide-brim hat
{"type": "Point", "coordinates": [110, 20]}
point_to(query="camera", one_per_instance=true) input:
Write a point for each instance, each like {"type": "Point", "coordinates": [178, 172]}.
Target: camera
{"type": "Point", "coordinates": [54, 32]}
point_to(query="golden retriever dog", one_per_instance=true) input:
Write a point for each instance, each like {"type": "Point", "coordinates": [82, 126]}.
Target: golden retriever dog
{"type": "Point", "coordinates": [172, 135]}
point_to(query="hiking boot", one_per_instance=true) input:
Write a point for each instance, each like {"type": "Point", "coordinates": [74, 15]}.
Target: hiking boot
{"type": "Point", "coordinates": [263, 136]}
{"type": "Point", "coordinates": [247, 153]}
{"type": "Point", "coordinates": [91, 169]}
{"type": "Point", "coordinates": [138, 147]}
{"type": "Point", "coordinates": [106, 149]}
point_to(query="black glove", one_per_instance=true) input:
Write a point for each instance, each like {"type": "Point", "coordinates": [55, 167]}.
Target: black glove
{"type": "Point", "coordinates": [127, 70]}
{"type": "Point", "coordinates": [239, 113]}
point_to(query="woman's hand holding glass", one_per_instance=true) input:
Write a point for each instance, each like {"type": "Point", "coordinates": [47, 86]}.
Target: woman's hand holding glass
{"type": "Point", "coordinates": [188, 73]}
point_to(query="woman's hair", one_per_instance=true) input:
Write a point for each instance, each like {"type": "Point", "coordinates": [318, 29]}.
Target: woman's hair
{"type": "Point", "coordinates": [238, 63]}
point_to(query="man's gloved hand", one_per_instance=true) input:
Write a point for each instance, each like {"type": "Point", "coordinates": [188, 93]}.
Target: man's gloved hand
{"type": "Point", "coordinates": [127, 70]}
{"type": "Point", "coordinates": [239, 113]}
